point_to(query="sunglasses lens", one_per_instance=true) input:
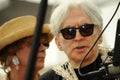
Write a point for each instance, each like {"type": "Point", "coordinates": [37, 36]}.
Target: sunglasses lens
{"type": "Point", "coordinates": [46, 44]}
{"type": "Point", "coordinates": [86, 30]}
{"type": "Point", "coordinates": [68, 33]}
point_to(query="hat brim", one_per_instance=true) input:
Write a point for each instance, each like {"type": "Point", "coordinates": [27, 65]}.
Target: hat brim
{"type": "Point", "coordinates": [19, 28]}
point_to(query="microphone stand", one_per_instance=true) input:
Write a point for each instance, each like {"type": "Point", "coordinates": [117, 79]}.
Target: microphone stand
{"type": "Point", "coordinates": [36, 39]}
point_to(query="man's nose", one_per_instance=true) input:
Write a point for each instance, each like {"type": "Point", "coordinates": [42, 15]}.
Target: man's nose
{"type": "Point", "coordinates": [78, 36]}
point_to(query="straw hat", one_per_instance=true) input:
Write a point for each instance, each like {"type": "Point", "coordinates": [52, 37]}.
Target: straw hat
{"type": "Point", "coordinates": [19, 28]}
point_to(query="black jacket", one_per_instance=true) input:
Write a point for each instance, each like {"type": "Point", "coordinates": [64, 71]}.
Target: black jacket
{"type": "Point", "coordinates": [51, 75]}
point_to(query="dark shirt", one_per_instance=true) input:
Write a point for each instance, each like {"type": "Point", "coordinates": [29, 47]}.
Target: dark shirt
{"type": "Point", "coordinates": [51, 75]}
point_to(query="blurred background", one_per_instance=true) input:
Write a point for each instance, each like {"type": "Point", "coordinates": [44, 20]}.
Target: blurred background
{"type": "Point", "coordinates": [14, 8]}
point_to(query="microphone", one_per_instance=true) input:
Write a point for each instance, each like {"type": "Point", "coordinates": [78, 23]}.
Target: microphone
{"type": "Point", "coordinates": [114, 69]}
{"type": "Point", "coordinates": [109, 71]}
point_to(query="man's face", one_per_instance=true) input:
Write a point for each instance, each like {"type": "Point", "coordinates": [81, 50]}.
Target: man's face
{"type": "Point", "coordinates": [77, 47]}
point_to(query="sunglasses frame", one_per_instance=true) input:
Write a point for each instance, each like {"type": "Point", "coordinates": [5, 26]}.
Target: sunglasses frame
{"type": "Point", "coordinates": [82, 31]}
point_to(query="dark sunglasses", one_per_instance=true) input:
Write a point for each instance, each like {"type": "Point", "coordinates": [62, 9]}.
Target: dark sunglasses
{"type": "Point", "coordinates": [29, 43]}
{"type": "Point", "coordinates": [70, 32]}
{"type": "Point", "coordinates": [46, 45]}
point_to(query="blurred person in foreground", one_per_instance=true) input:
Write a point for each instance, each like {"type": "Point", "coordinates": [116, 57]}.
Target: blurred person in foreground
{"type": "Point", "coordinates": [76, 25]}
{"type": "Point", "coordinates": [15, 44]}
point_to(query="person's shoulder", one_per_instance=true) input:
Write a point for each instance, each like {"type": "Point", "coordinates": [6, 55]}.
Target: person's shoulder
{"type": "Point", "coordinates": [49, 75]}
{"type": "Point", "coordinates": [54, 73]}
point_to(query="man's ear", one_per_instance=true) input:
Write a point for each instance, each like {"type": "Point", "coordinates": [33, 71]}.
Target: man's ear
{"type": "Point", "coordinates": [58, 43]}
